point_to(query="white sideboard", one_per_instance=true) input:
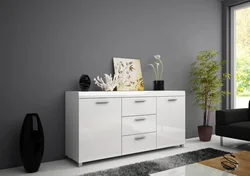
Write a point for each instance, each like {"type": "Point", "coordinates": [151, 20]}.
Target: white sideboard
{"type": "Point", "coordinates": [102, 125]}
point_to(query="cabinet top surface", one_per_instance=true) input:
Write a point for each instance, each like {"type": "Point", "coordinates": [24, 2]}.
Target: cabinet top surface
{"type": "Point", "coordinates": [97, 94]}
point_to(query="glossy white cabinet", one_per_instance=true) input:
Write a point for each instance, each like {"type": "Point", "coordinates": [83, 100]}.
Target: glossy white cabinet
{"type": "Point", "coordinates": [100, 130]}
{"type": "Point", "coordinates": [170, 121]}
{"type": "Point", "coordinates": [101, 125]}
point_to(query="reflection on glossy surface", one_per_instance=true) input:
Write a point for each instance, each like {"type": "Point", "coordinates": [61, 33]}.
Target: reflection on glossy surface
{"type": "Point", "coordinates": [193, 170]}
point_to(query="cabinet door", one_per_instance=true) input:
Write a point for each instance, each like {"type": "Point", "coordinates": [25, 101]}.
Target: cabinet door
{"type": "Point", "coordinates": [170, 121]}
{"type": "Point", "coordinates": [99, 128]}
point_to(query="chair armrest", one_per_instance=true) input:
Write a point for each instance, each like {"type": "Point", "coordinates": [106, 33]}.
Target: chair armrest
{"type": "Point", "coordinates": [224, 117]}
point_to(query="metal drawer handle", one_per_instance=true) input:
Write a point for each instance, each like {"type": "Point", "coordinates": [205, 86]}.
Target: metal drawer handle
{"type": "Point", "coordinates": [102, 102]}
{"type": "Point", "coordinates": [140, 101]}
{"type": "Point", "coordinates": [172, 99]}
{"type": "Point", "coordinates": [140, 137]}
{"type": "Point", "coordinates": [140, 119]}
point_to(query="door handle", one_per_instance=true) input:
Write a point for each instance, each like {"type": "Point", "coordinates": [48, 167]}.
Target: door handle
{"type": "Point", "coordinates": [139, 138]}
{"type": "Point", "coordinates": [172, 99]}
{"type": "Point", "coordinates": [140, 101]}
{"type": "Point", "coordinates": [140, 119]}
{"type": "Point", "coordinates": [102, 102]}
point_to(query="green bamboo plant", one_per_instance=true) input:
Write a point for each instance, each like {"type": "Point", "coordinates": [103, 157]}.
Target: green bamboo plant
{"type": "Point", "coordinates": [158, 72]}
{"type": "Point", "coordinates": [207, 81]}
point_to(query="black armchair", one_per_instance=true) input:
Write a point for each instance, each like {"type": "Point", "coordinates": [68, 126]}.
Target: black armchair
{"type": "Point", "coordinates": [234, 123]}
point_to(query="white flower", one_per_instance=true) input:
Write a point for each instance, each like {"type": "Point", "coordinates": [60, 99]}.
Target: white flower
{"type": "Point", "coordinates": [158, 71]}
{"type": "Point", "coordinates": [157, 57]}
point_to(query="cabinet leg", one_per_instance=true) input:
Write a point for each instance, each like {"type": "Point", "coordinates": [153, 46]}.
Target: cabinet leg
{"type": "Point", "coordinates": [221, 141]}
{"type": "Point", "coordinates": [79, 164]}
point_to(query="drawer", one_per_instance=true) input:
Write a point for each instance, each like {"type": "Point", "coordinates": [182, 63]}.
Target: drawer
{"type": "Point", "coordinates": [138, 106]}
{"type": "Point", "coordinates": [138, 143]}
{"type": "Point", "coordinates": [138, 124]}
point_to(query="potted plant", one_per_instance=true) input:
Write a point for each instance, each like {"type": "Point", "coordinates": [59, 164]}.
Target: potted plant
{"type": "Point", "coordinates": [207, 81]}
{"type": "Point", "coordinates": [158, 69]}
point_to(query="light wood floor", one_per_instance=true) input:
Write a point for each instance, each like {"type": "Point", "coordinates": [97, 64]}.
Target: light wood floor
{"type": "Point", "coordinates": [243, 159]}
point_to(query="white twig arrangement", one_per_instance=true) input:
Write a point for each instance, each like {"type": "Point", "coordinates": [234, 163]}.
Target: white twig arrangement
{"type": "Point", "coordinates": [109, 84]}
{"type": "Point", "coordinates": [158, 72]}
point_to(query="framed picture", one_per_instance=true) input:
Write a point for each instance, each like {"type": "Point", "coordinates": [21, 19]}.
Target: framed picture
{"type": "Point", "coordinates": [129, 74]}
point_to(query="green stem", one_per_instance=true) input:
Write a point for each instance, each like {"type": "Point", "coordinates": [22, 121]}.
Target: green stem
{"type": "Point", "coordinates": [157, 71]}
{"type": "Point", "coordinates": [162, 68]}
{"type": "Point", "coordinates": [154, 70]}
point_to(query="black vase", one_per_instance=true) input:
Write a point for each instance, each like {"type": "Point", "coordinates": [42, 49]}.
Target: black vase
{"type": "Point", "coordinates": [84, 82]}
{"type": "Point", "coordinates": [31, 143]}
{"type": "Point", "coordinates": [159, 85]}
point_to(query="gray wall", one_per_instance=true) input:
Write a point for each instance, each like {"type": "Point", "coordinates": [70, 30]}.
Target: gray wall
{"type": "Point", "coordinates": [47, 45]}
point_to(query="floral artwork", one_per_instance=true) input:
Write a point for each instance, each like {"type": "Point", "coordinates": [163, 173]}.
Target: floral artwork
{"type": "Point", "coordinates": [129, 74]}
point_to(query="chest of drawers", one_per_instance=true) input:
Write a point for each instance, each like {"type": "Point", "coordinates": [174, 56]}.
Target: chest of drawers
{"type": "Point", "coordinates": [102, 125]}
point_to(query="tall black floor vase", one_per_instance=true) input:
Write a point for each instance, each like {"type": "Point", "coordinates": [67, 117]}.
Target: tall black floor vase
{"type": "Point", "coordinates": [31, 143]}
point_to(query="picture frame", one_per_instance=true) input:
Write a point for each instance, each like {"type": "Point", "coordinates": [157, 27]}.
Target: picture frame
{"type": "Point", "coordinates": [129, 74]}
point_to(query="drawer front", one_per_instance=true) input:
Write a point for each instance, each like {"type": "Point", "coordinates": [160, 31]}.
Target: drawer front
{"type": "Point", "coordinates": [138, 124]}
{"type": "Point", "coordinates": [138, 143]}
{"type": "Point", "coordinates": [138, 106]}
{"type": "Point", "coordinates": [99, 128]}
